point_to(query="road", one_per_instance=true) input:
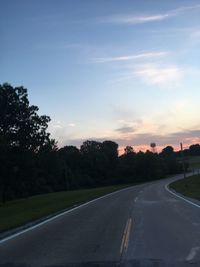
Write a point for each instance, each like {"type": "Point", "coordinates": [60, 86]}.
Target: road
{"type": "Point", "coordinates": [141, 226]}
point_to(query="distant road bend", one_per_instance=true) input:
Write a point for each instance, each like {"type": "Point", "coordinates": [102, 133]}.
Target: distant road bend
{"type": "Point", "coordinates": [140, 226]}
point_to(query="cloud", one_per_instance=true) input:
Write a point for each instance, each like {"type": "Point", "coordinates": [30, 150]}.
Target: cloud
{"type": "Point", "coordinates": [142, 141]}
{"type": "Point", "coordinates": [163, 75]}
{"type": "Point", "coordinates": [188, 137]}
{"type": "Point", "coordinates": [132, 57]}
{"type": "Point", "coordinates": [195, 36]}
{"type": "Point", "coordinates": [55, 125]}
{"type": "Point", "coordinates": [125, 129]}
{"type": "Point", "coordinates": [71, 124]}
{"type": "Point", "coordinates": [149, 68]}
{"type": "Point", "coordinates": [135, 19]}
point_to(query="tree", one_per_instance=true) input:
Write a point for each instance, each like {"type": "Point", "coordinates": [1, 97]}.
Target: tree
{"type": "Point", "coordinates": [20, 124]}
{"type": "Point", "coordinates": [72, 159]}
{"type": "Point", "coordinates": [92, 160]}
{"type": "Point", "coordinates": [194, 150]}
{"type": "Point", "coordinates": [171, 163]}
{"type": "Point", "coordinates": [22, 136]}
{"type": "Point", "coordinates": [128, 149]}
{"type": "Point", "coordinates": [109, 152]}
{"type": "Point", "coordinates": [100, 160]}
{"type": "Point", "coordinates": [127, 165]}
{"type": "Point", "coordinates": [167, 151]}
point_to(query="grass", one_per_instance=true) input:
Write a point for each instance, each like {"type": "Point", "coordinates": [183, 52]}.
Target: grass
{"type": "Point", "coordinates": [189, 186]}
{"type": "Point", "coordinates": [194, 161]}
{"type": "Point", "coordinates": [19, 212]}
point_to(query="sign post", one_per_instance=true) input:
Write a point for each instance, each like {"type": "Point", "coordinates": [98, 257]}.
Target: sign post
{"type": "Point", "coordinates": [183, 162]}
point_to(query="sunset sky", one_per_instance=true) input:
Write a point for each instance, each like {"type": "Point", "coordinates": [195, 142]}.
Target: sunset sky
{"type": "Point", "coordinates": [127, 71]}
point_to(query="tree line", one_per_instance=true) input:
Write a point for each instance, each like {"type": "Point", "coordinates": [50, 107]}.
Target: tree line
{"type": "Point", "coordinates": [31, 163]}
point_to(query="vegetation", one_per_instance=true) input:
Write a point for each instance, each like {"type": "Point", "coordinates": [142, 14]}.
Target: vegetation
{"type": "Point", "coordinates": [191, 156]}
{"type": "Point", "coordinates": [194, 162]}
{"type": "Point", "coordinates": [189, 186]}
{"type": "Point", "coordinates": [32, 164]}
{"type": "Point", "coordinates": [18, 212]}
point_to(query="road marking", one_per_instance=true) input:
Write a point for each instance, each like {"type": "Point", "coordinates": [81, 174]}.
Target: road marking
{"type": "Point", "coordinates": [126, 236]}
{"type": "Point", "coordinates": [123, 238]}
{"type": "Point", "coordinates": [59, 215]}
{"type": "Point", "coordinates": [193, 253]}
{"type": "Point", "coordinates": [136, 199]}
{"type": "Point", "coordinates": [126, 242]}
{"type": "Point", "coordinates": [192, 203]}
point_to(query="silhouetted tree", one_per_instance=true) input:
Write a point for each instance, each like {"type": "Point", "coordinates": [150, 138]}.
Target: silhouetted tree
{"type": "Point", "coordinates": [167, 151]}
{"type": "Point", "coordinates": [92, 160]}
{"type": "Point", "coordinates": [109, 151]}
{"type": "Point", "coordinates": [127, 165]}
{"type": "Point", "coordinates": [194, 150]}
{"type": "Point", "coordinates": [128, 149]}
{"type": "Point", "coordinates": [73, 167]}
{"type": "Point", "coordinates": [20, 125]}
{"type": "Point", "coordinates": [22, 134]}
{"type": "Point", "coordinates": [172, 165]}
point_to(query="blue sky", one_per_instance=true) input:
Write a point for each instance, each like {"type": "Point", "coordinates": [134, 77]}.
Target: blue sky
{"type": "Point", "coordinates": [127, 71]}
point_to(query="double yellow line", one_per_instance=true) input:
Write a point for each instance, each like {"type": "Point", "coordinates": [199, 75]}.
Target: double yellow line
{"type": "Point", "coordinates": [126, 236]}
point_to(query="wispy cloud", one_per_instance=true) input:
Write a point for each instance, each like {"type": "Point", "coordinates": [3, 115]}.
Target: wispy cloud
{"type": "Point", "coordinates": [138, 19]}
{"type": "Point", "coordinates": [132, 57]}
{"type": "Point", "coordinates": [128, 19]}
{"type": "Point", "coordinates": [195, 35]}
{"type": "Point", "coordinates": [159, 75]}
{"type": "Point", "coordinates": [125, 129]}
{"type": "Point", "coordinates": [71, 124]}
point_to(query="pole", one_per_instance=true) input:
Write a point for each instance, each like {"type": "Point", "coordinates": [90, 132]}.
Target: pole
{"type": "Point", "coordinates": [183, 163]}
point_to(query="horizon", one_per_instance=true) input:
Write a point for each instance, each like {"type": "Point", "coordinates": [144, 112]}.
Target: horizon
{"type": "Point", "coordinates": [127, 72]}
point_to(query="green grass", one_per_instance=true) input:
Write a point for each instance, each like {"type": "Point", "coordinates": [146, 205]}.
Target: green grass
{"type": "Point", "coordinates": [189, 186]}
{"type": "Point", "coordinates": [194, 162]}
{"type": "Point", "coordinates": [22, 211]}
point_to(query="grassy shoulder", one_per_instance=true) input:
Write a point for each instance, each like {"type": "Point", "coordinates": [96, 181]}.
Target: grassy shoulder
{"type": "Point", "coordinates": [194, 161]}
{"type": "Point", "coordinates": [22, 211]}
{"type": "Point", "coordinates": [189, 186]}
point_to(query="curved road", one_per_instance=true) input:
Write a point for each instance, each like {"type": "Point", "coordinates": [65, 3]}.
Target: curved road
{"type": "Point", "coordinates": [144, 225]}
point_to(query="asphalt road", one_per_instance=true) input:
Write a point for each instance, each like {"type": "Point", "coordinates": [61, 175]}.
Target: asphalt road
{"type": "Point", "coordinates": [141, 226]}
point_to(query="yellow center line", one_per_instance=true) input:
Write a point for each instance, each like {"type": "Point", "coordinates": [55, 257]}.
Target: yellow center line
{"type": "Point", "coordinates": [126, 235]}
{"type": "Point", "coordinates": [123, 238]}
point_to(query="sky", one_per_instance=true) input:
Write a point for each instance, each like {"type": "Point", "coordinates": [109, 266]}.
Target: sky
{"type": "Point", "coordinates": [127, 71]}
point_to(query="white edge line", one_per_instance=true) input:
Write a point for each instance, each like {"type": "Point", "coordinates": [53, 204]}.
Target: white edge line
{"type": "Point", "coordinates": [57, 216]}
{"type": "Point", "coordinates": [192, 203]}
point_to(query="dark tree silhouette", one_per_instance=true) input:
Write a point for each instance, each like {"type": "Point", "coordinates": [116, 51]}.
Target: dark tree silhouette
{"type": "Point", "coordinates": [194, 150]}
{"type": "Point", "coordinates": [167, 151]}
{"type": "Point", "coordinates": [20, 125]}
{"type": "Point", "coordinates": [128, 149]}
{"type": "Point", "coordinates": [171, 163]}
{"type": "Point", "coordinates": [22, 134]}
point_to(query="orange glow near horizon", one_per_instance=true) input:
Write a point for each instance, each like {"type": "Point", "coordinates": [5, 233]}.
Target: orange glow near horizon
{"type": "Point", "coordinates": [159, 148]}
